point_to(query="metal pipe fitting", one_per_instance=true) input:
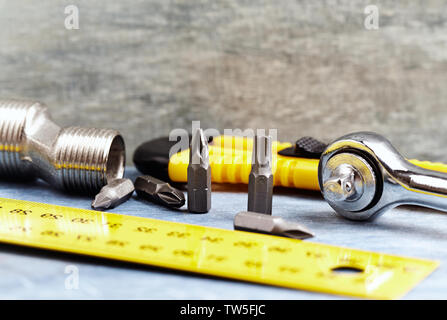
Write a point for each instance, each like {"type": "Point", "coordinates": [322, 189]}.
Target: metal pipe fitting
{"type": "Point", "coordinates": [362, 175]}
{"type": "Point", "coordinates": [73, 158]}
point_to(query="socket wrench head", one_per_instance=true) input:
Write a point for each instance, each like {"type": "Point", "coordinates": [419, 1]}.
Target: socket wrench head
{"type": "Point", "coordinates": [361, 176]}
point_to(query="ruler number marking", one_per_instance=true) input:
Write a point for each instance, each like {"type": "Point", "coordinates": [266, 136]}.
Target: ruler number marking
{"type": "Point", "coordinates": [252, 264]}
{"type": "Point", "coordinates": [20, 228]}
{"type": "Point", "coordinates": [245, 244]}
{"type": "Point", "coordinates": [20, 212]}
{"type": "Point", "coordinates": [183, 253]}
{"type": "Point", "coordinates": [146, 229]}
{"type": "Point", "coordinates": [117, 243]}
{"type": "Point", "coordinates": [177, 234]}
{"type": "Point", "coordinates": [149, 247]}
{"type": "Point", "coordinates": [279, 249]}
{"type": "Point", "coordinates": [85, 238]}
{"type": "Point", "coordinates": [216, 258]}
{"type": "Point", "coordinates": [315, 255]}
{"type": "Point", "coordinates": [287, 269]}
{"type": "Point", "coordinates": [113, 225]}
{"type": "Point", "coordinates": [211, 239]}
{"type": "Point", "coordinates": [82, 220]}
{"type": "Point", "coordinates": [51, 216]}
{"type": "Point", "coordinates": [52, 233]}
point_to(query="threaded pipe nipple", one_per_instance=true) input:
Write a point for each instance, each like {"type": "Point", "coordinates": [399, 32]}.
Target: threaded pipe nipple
{"type": "Point", "coordinates": [88, 158]}
{"type": "Point", "coordinates": [73, 158]}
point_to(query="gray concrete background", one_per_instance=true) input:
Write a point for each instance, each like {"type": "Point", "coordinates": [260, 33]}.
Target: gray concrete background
{"type": "Point", "coordinates": [304, 67]}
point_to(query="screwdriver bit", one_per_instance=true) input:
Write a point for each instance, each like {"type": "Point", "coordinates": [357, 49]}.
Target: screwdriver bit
{"type": "Point", "coordinates": [152, 189]}
{"type": "Point", "coordinates": [113, 194]}
{"type": "Point", "coordinates": [262, 223]}
{"type": "Point", "coordinates": [199, 174]}
{"type": "Point", "coordinates": [260, 182]}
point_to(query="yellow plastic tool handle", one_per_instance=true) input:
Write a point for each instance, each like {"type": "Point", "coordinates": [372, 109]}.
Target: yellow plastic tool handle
{"type": "Point", "coordinates": [230, 160]}
{"type": "Point", "coordinates": [435, 166]}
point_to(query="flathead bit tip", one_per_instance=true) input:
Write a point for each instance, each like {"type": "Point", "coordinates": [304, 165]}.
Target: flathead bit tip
{"type": "Point", "coordinates": [101, 202]}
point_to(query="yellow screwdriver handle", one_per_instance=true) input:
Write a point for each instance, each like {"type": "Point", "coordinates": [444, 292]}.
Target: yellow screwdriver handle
{"type": "Point", "coordinates": [435, 166]}
{"type": "Point", "coordinates": [230, 160]}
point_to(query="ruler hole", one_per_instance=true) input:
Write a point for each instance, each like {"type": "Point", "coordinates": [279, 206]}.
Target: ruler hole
{"type": "Point", "coordinates": [347, 270]}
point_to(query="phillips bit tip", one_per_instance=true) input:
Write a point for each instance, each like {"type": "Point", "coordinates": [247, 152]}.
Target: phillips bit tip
{"type": "Point", "coordinates": [199, 174]}
{"type": "Point", "coordinates": [262, 223]}
{"type": "Point", "coordinates": [152, 189]}
{"type": "Point", "coordinates": [113, 194]}
{"type": "Point", "coordinates": [260, 183]}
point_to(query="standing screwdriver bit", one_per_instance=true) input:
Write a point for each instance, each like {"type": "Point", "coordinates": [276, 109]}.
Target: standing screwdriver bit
{"type": "Point", "coordinates": [199, 174]}
{"type": "Point", "coordinates": [158, 191]}
{"type": "Point", "coordinates": [113, 194]}
{"type": "Point", "coordinates": [260, 183]}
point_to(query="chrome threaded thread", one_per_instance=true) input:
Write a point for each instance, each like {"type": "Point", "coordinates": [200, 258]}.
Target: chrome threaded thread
{"type": "Point", "coordinates": [73, 158]}
{"type": "Point", "coordinates": [87, 158]}
{"type": "Point", "coordinates": [12, 122]}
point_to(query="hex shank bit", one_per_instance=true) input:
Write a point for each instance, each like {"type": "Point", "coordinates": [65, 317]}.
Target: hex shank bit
{"type": "Point", "coordinates": [152, 189]}
{"type": "Point", "coordinates": [262, 223]}
{"type": "Point", "coordinates": [113, 194]}
{"type": "Point", "coordinates": [260, 182]}
{"type": "Point", "coordinates": [199, 174]}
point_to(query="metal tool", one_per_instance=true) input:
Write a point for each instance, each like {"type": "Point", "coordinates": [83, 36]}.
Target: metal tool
{"type": "Point", "coordinates": [199, 174]}
{"type": "Point", "coordinates": [113, 194]}
{"type": "Point", "coordinates": [362, 175]}
{"type": "Point", "coordinates": [72, 158]}
{"type": "Point", "coordinates": [262, 223]}
{"type": "Point", "coordinates": [152, 189]}
{"type": "Point", "coordinates": [260, 183]}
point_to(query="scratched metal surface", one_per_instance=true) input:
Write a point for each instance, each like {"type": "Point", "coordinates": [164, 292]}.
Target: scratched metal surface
{"type": "Point", "coordinates": [34, 274]}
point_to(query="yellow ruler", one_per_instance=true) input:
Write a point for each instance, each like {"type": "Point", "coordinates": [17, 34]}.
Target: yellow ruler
{"type": "Point", "coordinates": [218, 252]}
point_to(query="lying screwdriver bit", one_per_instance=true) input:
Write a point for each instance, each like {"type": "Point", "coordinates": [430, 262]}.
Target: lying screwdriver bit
{"type": "Point", "coordinates": [113, 194]}
{"type": "Point", "coordinates": [199, 174]}
{"type": "Point", "coordinates": [262, 223]}
{"type": "Point", "coordinates": [152, 189]}
{"type": "Point", "coordinates": [260, 182]}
